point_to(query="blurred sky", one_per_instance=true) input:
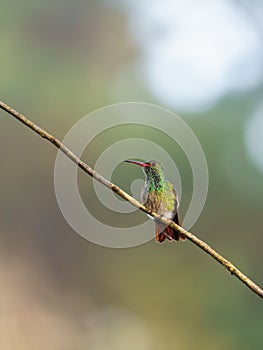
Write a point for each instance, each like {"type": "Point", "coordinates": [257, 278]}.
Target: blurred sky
{"type": "Point", "coordinates": [194, 53]}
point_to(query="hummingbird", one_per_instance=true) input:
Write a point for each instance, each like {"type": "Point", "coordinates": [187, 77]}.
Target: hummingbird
{"type": "Point", "coordinates": [160, 196]}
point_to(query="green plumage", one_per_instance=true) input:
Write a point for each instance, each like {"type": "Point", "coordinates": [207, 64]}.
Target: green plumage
{"type": "Point", "coordinates": [159, 196]}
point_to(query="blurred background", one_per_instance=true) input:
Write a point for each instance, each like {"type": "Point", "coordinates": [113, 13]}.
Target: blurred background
{"type": "Point", "coordinates": [61, 60]}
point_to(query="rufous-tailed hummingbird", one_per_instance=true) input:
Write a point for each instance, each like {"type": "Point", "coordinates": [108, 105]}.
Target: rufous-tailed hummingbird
{"type": "Point", "coordinates": [160, 196]}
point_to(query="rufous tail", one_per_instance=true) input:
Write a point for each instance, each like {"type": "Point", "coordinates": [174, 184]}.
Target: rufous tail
{"type": "Point", "coordinates": [162, 231]}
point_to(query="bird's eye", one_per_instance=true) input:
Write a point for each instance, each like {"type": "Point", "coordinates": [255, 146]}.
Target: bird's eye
{"type": "Point", "coordinates": [153, 164]}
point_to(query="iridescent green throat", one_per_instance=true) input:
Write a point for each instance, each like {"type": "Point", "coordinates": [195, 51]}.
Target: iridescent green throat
{"type": "Point", "coordinates": [155, 182]}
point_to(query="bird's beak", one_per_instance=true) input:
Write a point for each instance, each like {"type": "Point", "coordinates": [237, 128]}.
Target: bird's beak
{"type": "Point", "coordinates": [137, 163]}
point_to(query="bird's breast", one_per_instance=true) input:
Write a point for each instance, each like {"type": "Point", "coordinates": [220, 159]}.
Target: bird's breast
{"type": "Point", "coordinates": [159, 203]}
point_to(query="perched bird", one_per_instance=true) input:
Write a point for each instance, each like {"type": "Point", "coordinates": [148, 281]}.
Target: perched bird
{"type": "Point", "coordinates": [160, 196]}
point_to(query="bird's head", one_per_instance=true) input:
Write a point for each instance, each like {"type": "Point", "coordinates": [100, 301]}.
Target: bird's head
{"type": "Point", "coordinates": [150, 168]}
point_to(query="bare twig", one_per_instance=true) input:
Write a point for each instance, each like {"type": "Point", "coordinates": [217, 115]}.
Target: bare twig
{"type": "Point", "coordinates": [205, 247]}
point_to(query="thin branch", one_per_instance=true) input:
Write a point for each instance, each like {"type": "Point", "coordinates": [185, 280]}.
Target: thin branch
{"type": "Point", "coordinates": [201, 244]}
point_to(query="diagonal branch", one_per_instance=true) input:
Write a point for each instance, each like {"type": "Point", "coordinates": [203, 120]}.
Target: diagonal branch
{"type": "Point", "coordinates": [201, 244]}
